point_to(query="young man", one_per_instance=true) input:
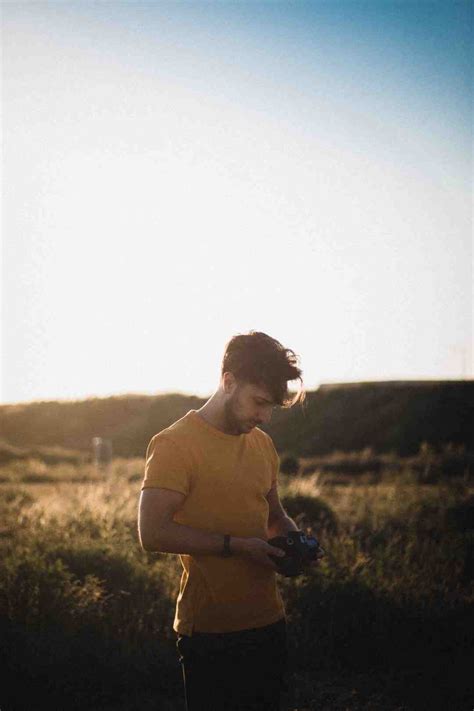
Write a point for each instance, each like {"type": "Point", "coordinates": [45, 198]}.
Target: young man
{"type": "Point", "coordinates": [210, 494]}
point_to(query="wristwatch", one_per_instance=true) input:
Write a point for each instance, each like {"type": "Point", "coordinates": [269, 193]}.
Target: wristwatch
{"type": "Point", "coordinates": [226, 552]}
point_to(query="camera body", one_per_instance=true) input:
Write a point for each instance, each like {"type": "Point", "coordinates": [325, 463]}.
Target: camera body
{"type": "Point", "coordinates": [300, 550]}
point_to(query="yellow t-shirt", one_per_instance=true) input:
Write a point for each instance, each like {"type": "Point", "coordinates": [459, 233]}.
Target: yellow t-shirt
{"type": "Point", "coordinates": [226, 479]}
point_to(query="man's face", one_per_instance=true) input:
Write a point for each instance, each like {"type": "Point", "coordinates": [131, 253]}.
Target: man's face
{"type": "Point", "coordinates": [247, 406]}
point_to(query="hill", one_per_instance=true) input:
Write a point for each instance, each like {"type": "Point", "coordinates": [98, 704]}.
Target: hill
{"type": "Point", "coordinates": [393, 416]}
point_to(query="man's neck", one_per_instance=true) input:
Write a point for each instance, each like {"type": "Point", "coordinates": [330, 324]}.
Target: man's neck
{"type": "Point", "coordinates": [213, 413]}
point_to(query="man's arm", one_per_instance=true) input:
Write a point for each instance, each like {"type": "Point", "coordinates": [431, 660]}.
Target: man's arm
{"type": "Point", "coordinates": [279, 523]}
{"type": "Point", "coordinates": [159, 533]}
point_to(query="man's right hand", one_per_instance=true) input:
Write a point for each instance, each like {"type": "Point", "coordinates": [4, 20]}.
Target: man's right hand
{"type": "Point", "coordinates": [257, 550]}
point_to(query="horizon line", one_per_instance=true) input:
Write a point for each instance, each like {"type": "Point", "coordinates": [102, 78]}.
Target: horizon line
{"type": "Point", "coordinates": [182, 393]}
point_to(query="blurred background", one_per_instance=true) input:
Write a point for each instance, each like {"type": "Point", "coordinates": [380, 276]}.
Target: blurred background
{"type": "Point", "coordinates": [175, 173]}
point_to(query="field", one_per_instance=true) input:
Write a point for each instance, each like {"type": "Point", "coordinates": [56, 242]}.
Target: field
{"type": "Point", "coordinates": [384, 623]}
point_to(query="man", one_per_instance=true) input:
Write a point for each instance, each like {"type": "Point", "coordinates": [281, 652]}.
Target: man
{"type": "Point", "coordinates": [210, 494]}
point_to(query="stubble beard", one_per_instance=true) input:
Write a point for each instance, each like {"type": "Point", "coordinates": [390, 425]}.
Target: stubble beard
{"type": "Point", "coordinates": [233, 423]}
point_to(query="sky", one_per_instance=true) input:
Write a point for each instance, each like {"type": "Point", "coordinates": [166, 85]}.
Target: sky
{"type": "Point", "coordinates": [176, 173]}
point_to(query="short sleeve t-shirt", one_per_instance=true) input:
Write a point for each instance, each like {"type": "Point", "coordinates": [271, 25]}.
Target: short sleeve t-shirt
{"type": "Point", "coordinates": [225, 479]}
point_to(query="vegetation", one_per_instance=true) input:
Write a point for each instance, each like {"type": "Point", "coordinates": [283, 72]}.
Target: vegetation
{"type": "Point", "coordinates": [289, 464]}
{"type": "Point", "coordinates": [389, 417]}
{"type": "Point", "coordinates": [383, 623]}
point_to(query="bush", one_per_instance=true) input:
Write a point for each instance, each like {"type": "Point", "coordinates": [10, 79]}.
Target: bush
{"type": "Point", "coordinates": [310, 511]}
{"type": "Point", "coordinates": [86, 614]}
{"type": "Point", "coordinates": [289, 464]}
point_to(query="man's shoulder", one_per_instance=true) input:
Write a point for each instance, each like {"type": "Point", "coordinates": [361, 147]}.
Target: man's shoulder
{"type": "Point", "coordinates": [263, 439]}
{"type": "Point", "coordinates": [261, 435]}
{"type": "Point", "coordinates": [178, 431]}
{"type": "Point", "coordinates": [176, 440]}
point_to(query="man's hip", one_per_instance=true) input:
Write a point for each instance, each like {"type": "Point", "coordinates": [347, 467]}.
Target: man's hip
{"type": "Point", "coordinates": [234, 670]}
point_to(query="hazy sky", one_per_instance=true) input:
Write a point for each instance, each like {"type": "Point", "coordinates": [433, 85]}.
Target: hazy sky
{"type": "Point", "coordinates": [177, 173]}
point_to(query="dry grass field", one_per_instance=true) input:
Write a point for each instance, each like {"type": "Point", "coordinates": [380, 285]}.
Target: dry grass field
{"type": "Point", "coordinates": [383, 624]}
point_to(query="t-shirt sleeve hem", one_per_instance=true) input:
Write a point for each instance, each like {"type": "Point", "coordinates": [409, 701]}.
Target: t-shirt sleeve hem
{"type": "Point", "coordinates": [157, 485]}
{"type": "Point", "coordinates": [165, 467]}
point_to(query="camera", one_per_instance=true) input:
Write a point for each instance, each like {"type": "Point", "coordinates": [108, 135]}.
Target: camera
{"type": "Point", "coordinates": [300, 550]}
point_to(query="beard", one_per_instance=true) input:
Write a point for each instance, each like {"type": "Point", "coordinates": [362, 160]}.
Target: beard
{"type": "Point", "coordinates": [233, 423]}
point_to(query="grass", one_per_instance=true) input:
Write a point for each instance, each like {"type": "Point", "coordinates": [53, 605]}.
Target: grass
{"type": "Point", "coordinates": [383, 623]}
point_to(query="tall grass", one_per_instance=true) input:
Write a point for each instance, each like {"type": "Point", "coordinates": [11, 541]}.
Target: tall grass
{"type": "Point", "coordinates": [382, 623]}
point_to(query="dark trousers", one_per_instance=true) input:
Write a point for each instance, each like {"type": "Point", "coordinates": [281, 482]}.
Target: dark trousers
{"type": "Point", "coordinates": [234, 671]}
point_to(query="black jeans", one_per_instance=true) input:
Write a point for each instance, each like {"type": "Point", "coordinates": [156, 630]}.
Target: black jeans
{"type": "Point", "coordinates": [234, 671]}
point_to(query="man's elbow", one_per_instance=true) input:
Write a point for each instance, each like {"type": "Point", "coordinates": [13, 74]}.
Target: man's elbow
{"type": "Point", "coordinates": [274, 524]}
{"type": "Point", "coordinates": [151, 542]}
{"type": "Point", "coordinates": [280, 525]}
{"type": "Point", "coordinates": [144, 544]}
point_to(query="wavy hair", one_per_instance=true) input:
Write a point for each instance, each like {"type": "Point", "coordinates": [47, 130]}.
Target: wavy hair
{"type": "Point", "coordinates": [257, 358]}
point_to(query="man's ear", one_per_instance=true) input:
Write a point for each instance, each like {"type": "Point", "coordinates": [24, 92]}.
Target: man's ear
{"type": "Point", "coordinates": [228, 382]}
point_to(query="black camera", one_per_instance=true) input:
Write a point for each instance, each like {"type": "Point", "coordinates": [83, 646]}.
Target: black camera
{"type": "Point", "coordinates": [300, 550]}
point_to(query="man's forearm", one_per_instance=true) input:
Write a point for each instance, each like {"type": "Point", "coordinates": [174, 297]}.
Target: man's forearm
{"type": "Point", "coordinates": [280, 526]}
{"type": "Point", "coordinates": [177, 538]}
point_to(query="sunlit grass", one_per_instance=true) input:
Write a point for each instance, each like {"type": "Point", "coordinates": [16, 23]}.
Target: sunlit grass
{"type": "Point", "coordinates": [398, 561]}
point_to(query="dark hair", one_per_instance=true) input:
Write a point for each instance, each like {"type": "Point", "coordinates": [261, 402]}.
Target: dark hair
{"type": "Point", "coordinates": [257, 358]}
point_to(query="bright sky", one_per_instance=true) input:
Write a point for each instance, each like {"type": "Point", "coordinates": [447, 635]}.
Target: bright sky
{"type": "Point", "coordinates": [177, 173]}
